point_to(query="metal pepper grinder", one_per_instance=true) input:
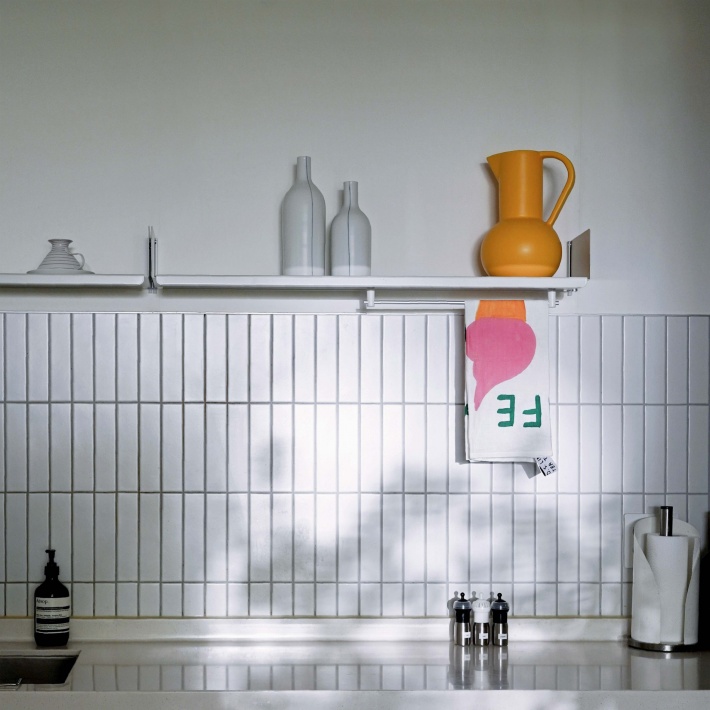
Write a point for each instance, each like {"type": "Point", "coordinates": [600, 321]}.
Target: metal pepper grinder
{"type": "Point", "coordinates": [481, 616]}
{"type": "Point", "coordinates": [462, 627]}
{"type": "Point", "coordinates": [500, 609]}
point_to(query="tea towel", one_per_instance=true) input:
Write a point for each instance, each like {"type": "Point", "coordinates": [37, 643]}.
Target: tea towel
{"type": "Point", "coordinates": [507, 380]}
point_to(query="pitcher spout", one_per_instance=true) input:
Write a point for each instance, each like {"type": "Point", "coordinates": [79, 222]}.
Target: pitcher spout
{"type": "Point", "coordinates": [495, 162]}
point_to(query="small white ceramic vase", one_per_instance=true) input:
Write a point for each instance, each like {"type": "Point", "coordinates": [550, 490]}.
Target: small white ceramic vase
{"type": "Point", "coordinates": [303, 225]}
{"type": "Point", "coordinates": [61, 261]}
{"type": "Point", "coordinates": [350, 237]}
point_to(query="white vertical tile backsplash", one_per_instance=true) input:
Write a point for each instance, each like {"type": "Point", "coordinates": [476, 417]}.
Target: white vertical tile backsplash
{"type": "Point", "coordinates": [82, 355]}
{"type": "Point", "coordinates": [105, 357]}
{"type": "Point", "coordinates": [187, 464]}
{"type": "Point", "coordinates": [326, 366]}
{"type": "Point", "coordinates": [655, 349]}
{"type": "Point", "coordinates": [16, 447]}
{"type": "Point", "coordinates": [194, 357]}
{"type": "Point", "coordinates": [633, 372]}
{"type": "Point", "coordinates": [677, 360]}
{"type": "Point", "coordinates": [654, 437]}
{"type": "Point", "coordinates": [15, 357]}
{"type": "Point", "coordinates": [38, 357]}
{"type": "Point", "coordinates": [633, 448]}
{"type": "Point", "coordinates": [282, 356]}
{"type": "Point", "coordinates": [126, 356]}
{"type": "Point", "coordinates": [237, 358]}
{"type": "Point", "coordinates": [216, 358]}
{"type": "Point", "coordinates": [392, 358]}
{"type": "Point", "coordinates": [698, 360]}
{"type": "Point", "coordinates": [149, 357]}
{"type": "Point", "coordinates": [171, 357]}
{"type": "Point", "coordinates": [697, 470]}
{"type": "Point", "coordinates": [590, 359]}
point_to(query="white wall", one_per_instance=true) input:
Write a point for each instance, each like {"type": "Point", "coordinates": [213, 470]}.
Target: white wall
{"type": "Point", "coordinates": [188, 115]}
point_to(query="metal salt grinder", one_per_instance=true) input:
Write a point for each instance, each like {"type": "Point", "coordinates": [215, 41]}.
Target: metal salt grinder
{"type": "Point", "coordinates": [500, 609]}
{"type": "Point", "coordinates": [462, 627]}
{"type": "Point", "coordinates": [481, 627]}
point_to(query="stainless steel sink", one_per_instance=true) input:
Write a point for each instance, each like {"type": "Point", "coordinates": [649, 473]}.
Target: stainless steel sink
{"type": "Point", "coordinates": [35, 667]}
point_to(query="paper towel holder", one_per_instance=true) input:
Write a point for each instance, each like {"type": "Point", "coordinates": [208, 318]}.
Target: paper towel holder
{"type": "Point", "coordinates": [664, 526]}
{"type": "Point", "coordinates": [663, 647]}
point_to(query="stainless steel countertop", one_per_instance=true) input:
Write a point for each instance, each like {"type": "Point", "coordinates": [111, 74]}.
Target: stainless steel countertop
{"type": "Point", "coordinates": [392, 666]}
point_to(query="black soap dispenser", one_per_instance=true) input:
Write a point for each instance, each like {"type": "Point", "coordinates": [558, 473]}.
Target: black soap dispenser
{"type": "Point", "coordinates": [52, 608]}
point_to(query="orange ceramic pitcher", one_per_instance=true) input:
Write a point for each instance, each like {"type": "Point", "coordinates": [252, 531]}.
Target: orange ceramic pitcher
{"type": "Point", "coordinates": [522, 243]}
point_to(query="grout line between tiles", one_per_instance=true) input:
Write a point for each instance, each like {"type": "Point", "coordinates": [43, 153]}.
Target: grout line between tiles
{"type": "Point", "coordinates": [116, 460]}
{"type": "Point", "coordinates": [316, 471]}
{"type": "Point", "coordinates": [447, 430]}
{"type": "Point", "coordinates": [271, 464]}
{"type": "Point", "coordinates": [600, 449]}
{"type": "Point", "coordinates": [425, 464]}
{"type": "Point", "coordinates": [182, 465]}
{"type": "Point", "coordinates": [139, 482]}
{"type": "Point", "coordinates": [580, 547]}
{"type": "Point", "coordinates": [293, 464]}
{"type": "Point", "coordinates": [71, 446]}
{"type": "Point", "coordinates": [161, 461]}
{"type": "Point", "coordinates": [687, 422]}
{"type": "Point", "coordinates": [402, 458]}
{"type": "Point", "coordinates": [27, 460]}
{"type": "Point", "coordinates": [381, 512]}
{"type": "Point", "coordinates": [93, 457]}
{"type": "Point", "coordinates": [249, 324]}
{"type": "Point", "coordinates": [3, 324]}
{"type": "Point", "coordinates": [358, 438]}
{"type": "Point", "coordinates": [337, 462]}
{"type": "Point", "coordinates": [205, 445]}
{"type": "Point", "coordinates": [557, 481]}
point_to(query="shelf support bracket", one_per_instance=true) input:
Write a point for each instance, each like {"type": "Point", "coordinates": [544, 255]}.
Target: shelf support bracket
{"type": "Point", "coordinates": [152, 261]}
{"type": "Point", "coordinates": [370, 302]}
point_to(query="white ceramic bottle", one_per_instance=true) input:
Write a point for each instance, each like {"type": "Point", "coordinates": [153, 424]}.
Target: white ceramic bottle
{"type": "Point", "coordinates": [350, 237]}
{"type": "Point", "coordinates": [303, 225]}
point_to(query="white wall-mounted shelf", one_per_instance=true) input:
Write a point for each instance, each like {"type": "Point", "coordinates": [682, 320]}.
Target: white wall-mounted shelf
{"type": "Point", "coordinates": [364, 283]}
{"type": "Point", "coordinates": [404, 292]}
{"type": "Point", "coordinates": [72, 280]}
{"type": "Point", "coordinates": [411, 292]}
{"type": "Point", "coordinates": [438, 289]}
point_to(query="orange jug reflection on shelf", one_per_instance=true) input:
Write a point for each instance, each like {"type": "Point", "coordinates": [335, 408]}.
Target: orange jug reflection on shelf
{"type": "Point", "coordinates": [522, 243]}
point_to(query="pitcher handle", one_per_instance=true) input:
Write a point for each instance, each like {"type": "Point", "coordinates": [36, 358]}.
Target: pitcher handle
{"type": "Point", "coordinates": [78, 256]}
{"type": "Point", "coordinates": [568, 185]}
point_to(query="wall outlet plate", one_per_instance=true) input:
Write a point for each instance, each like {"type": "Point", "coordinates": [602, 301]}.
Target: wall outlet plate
{"type": "Point", "coordinates": [629, 522]}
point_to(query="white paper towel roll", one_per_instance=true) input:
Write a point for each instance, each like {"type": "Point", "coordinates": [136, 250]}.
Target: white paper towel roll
{"type": "Point", "coordinates": [668, 558]}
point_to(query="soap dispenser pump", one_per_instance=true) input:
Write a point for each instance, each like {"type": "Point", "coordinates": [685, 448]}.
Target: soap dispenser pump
{"type": "Point", "coordinates": [52, 608]}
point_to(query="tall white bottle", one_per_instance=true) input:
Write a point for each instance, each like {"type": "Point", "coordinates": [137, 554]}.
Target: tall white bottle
{"type": "Point", "coordinates": [350, 237]}
{"type": "Point", "coordinates": [303, 225]}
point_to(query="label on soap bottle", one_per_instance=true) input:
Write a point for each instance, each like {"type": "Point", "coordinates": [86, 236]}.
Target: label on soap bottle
{"type": "Point", "coordinates": [52, 615]}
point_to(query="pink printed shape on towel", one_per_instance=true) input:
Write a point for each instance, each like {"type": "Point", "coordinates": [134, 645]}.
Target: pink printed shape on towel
{"type": "Point", "coordinates": [500, 349]}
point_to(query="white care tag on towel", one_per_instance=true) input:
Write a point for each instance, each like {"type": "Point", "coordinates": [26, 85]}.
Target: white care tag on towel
{"type": "Point", "coordinates": [546, 464]}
